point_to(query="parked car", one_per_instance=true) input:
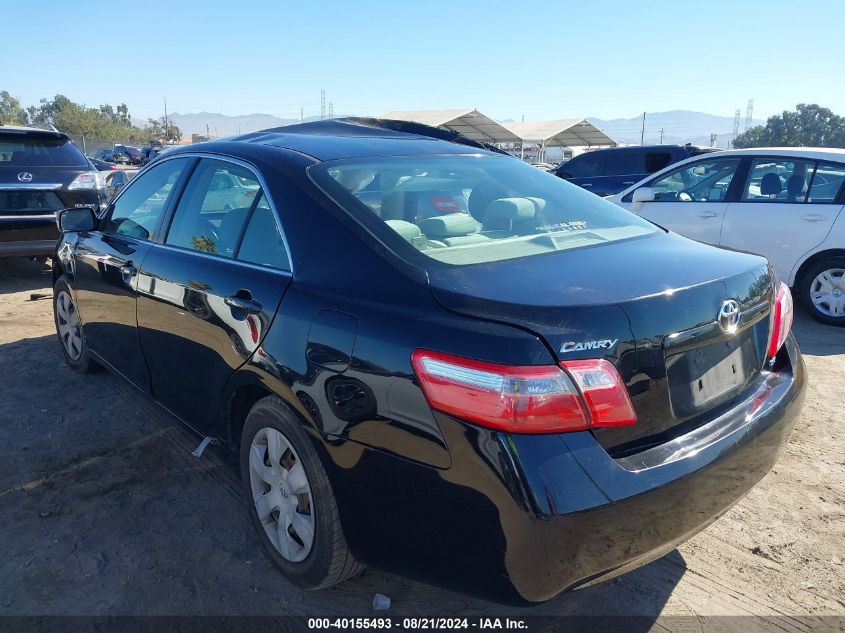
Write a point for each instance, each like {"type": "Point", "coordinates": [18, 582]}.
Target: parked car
{"type": "Point", "coordinates": [609, 171]}
{"type": "Point", "coordinates": [534, 395]}
{"type": "Point", "coordinates": [126, 154]}
{"type": "Point", "coordinates": [149, 153]}
{"type": "Point", "coordinates": [40, 173]}
{"type": "Point", "coordinates": [101, 165]}
{"type": "Point", "coordinates": [104, 155]}
{"type": "Point", "coordinates": [785, 204]}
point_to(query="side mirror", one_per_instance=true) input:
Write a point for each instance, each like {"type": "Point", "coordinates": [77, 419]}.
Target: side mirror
{"type": "Point", "coordinates": [643, 194]}
{"type": "Point", "coordinates": [77, 219]}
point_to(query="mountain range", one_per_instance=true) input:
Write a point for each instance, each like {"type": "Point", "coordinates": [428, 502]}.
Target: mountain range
{"type": "Point", "coordinates": [679, 126]}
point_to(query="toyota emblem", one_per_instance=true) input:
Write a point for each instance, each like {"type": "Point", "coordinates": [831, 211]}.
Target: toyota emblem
{"type": "Point", "coordinates": [25, 176]}
{"type": "Point", "coordinates": [729, 316]}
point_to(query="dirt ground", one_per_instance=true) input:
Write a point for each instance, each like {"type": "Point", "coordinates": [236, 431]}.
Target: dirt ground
{"type": "Point", "coordinates": [104, 511]}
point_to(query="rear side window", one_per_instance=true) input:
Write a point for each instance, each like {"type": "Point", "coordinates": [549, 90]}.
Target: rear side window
{"type": "Point", "coordinates": [827, 183]}
{"type": "Point", "coordinates": [136, 213]}
{"type": "Point", "coordinates": [583, 166]}
{"type": "Point", "coordinates": [214, 208]}
{"type": "Point", "coordinates": [655, 161]}
{"type": "Point", "coordinates": [622, 163]}
{"type": "Point", "coordinates": [22, 150]}
{"type": "Point", "coordinates": [778, 180]}
{"type": "Point", "coordinates": [262, 242]}
{"type": "Point", "coordinates": [463, 210]}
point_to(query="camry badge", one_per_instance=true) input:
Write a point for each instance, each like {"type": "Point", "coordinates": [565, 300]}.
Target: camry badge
{"type": "Point", "coordinates": [573, 346]}
{"type": "Point", "coordinates": [25, 176]}
{"type": "Point", "coordinates": [729, 316]}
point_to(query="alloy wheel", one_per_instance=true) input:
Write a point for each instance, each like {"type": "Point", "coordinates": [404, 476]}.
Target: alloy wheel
{"type": "Point", "coordinates": [70, 331]}
{"type": "Point", "coordinates": [281, 493]}
{"type": "Point", "coordinates": [827, 292]}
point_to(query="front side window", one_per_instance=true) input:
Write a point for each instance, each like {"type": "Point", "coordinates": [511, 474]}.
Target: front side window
{"type": "Point", "coordinates": [463, 210]}
{"type": "Point", "coordinates": [136, 213]}
{"type": "Point", "coordinates": [209, 218]}
{"type": "Point", "coordinates": [778, 180]}
{"type": "Point", "coordinates": [705, 181]}
{"type": "Point", "coordinates": [826, 183]}
{"type": "Point", "coordinates": [655, 161]}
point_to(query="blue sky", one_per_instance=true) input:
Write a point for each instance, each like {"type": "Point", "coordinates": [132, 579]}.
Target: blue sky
{"type": "Point", "coordinates": [542, 60]}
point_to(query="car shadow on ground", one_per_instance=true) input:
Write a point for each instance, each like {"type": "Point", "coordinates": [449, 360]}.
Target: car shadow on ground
{"type": "Point", "coordinates": [816, 338]}
{"type": "Point", "coordinates": [106, 512]}
{"type": "Point", "coordinates": [19, 274]}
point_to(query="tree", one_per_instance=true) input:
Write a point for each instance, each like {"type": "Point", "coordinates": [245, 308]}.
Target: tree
{"type": "Point", "coordinates": [806, 126]}
{"type": "Point", "coordinates": [11, 111]}
{"type": "Point", "coordinates": [162, 133]}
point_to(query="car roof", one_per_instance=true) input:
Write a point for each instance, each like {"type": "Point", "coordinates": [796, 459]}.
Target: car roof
{"type": "Point", "coordinates": [819, 153]}
{"type": "Point", "coordinates": [356, 138]}
{"type": "Point", "coordinates": [32, 131]}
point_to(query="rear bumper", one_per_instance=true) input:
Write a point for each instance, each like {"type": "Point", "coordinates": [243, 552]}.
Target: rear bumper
{"type": "Point", "coordinates": [28, 235]}
{"type": "Point", "coordinates": [633, 510]}
{"type": "Point", "coordinates": [521, 518]}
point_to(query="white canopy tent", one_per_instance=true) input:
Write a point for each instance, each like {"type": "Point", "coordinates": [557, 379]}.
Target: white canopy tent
{"type": "Point", "coordinates": [470, 123]}
{"type": "Point", "coordinates": [560, 133]}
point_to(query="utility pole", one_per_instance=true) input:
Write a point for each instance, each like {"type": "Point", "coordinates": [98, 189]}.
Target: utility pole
{"type": "Point", "coordinates": [748, 112]}
{"type": "Point", "coordinates": [737, 114]}
{"type": "Point", "coordinates": [331, 110]}
{"type": "Point", "coordinates": [166, 127]}
{"type": "Point", "coordinates": [302, 115]}
{"type": "Point", "coordinates": [207, 131]}
{"type": "Point", "coordinates": [322, 104]}
{"type": "Point", "coordinates": [713, 137]}
{"type": "Point", "coordinates": [661, 136]}
{"type": "Point", "coordinates": [642, 132]}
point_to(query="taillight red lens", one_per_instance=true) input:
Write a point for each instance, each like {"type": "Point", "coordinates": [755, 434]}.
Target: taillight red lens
{"type": "Point", "coordinates": [603, 389]}
{"type": "Point", "coordinates": [532, 399]}
{"type": "Point", "coordinates": [781, 319]}
{"type": "Point", "coordinates": [446, 204]}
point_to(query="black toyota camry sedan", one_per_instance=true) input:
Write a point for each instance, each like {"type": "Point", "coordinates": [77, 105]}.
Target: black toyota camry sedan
{"type": "Point", "coordinates": [433, 358]}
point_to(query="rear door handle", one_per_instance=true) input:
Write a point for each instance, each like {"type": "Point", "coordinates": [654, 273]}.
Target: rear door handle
{"type": "Point", "coordinates": [240, 303]}
{"type": "Point", "coordinates": [707, 214]}
{"type": "Point", "coordinates": [629, 182]}
{"type": "Point", "coordinates": [814, 217]}
{"type": "Point", "coordinates": [586, 184]}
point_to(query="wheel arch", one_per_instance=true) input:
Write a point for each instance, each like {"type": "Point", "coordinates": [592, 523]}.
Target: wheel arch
{"type": "Point", "coordinates": [812, 260]}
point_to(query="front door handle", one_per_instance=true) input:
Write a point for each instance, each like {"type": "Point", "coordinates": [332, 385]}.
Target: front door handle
{"type": "Point", "coordinates": [587, 185]}
{"type": "Point", "coordinates": [249, 305]}
{"type": "Point", "coordinates": [127, 272]}
{"type": "Point", "coordinates": [629, 182]}
{"type": "Point", "coordinates": [707, 214]}
{"type": "Point", "coordinates": [814, 217]}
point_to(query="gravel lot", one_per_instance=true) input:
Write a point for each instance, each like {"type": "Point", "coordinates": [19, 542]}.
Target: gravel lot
{"type": "Point", "coordinates": [104, 511]}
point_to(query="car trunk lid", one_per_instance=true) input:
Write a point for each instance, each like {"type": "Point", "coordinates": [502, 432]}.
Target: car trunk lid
{"type": "Point", "coordinates": [649, 305]}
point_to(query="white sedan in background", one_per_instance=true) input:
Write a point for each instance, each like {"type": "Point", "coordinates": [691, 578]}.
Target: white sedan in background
{"type": "Point", "coordinates": [783, 203]}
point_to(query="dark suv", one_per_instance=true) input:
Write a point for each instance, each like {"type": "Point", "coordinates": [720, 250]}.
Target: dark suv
{"type": "Point", "coordinates": [609, 171]}
{"type": "Point", "coordinates": [41, 172]}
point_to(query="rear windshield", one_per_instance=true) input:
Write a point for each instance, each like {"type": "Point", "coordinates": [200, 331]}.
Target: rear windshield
{"type": "Point", "coordinates": [473, 209]}
{"type": "Point", "coordinates": [19, 150]}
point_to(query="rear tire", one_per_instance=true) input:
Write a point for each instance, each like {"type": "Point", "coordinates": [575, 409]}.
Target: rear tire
{"type": "Point", "coordinates": [822, 291]}
{"type": "Point", "coordinates": [69, 328]}
{"type": "Point", "coordinates": [291, 501]}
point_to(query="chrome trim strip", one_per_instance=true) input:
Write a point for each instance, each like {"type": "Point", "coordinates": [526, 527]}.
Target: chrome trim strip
{"type": "Point", "coordinates": [218, 258]}
{"type": "Point", "coordinates": [30, 186]}
{"type": "Point", "coordinates": [236, 161]}
{"type": "Point", "coordinates": [51, 217]}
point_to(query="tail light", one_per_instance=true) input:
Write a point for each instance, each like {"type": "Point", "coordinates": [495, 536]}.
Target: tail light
{"type": "Point", "coordinates": [446, 204]}
{"type": "Point", "coordinates": [85, 180]}
{"type": "Point", "coordinates": [781, 319]}
{"type": "Point", "coordinates": [532, 399]}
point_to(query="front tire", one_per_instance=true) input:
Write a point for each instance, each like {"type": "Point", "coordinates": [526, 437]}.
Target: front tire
{"type": "Point", "coordinates": [69, 328]}
{"type": "Point", "coordinates": [822, 291]}
{"type": "Point", "coordinates": [292, 504]}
